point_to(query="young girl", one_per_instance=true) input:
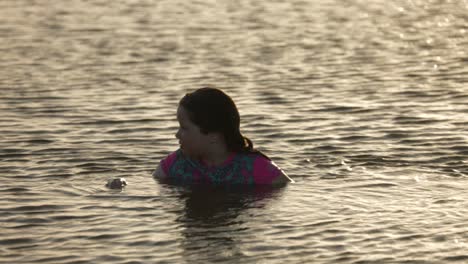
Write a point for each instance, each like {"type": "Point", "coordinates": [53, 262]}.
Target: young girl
{"type": "Point", "coordinates": [212, 148]}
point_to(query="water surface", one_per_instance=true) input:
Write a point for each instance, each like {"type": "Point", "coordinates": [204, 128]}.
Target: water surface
{"type": "Point", "coordinates": [363, 103]}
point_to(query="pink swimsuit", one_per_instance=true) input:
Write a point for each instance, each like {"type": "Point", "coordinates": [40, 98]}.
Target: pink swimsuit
{"type": "Point", "coordinates": [239, 168]}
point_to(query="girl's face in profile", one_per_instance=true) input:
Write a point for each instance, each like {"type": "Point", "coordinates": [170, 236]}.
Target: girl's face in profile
{"type": "Point", "coordinates": [191, 139]}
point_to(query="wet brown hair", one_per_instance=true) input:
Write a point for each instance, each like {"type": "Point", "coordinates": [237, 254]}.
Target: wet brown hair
{"type": "Point", "coordinates": [214, 111]}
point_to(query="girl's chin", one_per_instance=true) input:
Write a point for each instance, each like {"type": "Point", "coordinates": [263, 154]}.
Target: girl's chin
{"type": "Point", "coordinates": [188, 154]}
{"type": "Point", "coordinates": [184, 152]}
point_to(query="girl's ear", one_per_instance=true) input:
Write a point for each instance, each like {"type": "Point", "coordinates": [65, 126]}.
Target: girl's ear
{"type": "Point", "coordinates": [215, 137]}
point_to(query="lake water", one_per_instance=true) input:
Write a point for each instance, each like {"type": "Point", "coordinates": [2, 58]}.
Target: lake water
{"type": "Point", "coordinates": [363, 102]}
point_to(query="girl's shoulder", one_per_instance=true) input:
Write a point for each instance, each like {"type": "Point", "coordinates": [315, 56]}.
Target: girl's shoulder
{"type": "Point", "coordinates": [169, 160]}
{"type": "Point", "coordinates": [264, 170]}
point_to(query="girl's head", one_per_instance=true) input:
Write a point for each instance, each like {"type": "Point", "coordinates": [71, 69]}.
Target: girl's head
{"type": "Point", "coordinates": [212, 111]}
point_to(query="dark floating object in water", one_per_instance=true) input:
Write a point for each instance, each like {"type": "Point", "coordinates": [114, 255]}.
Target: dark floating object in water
{"type": "Point", "coordinates": [116, 183]}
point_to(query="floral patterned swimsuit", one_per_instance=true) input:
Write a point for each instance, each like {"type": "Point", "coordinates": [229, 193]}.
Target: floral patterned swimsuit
{"type": "Point", "coordinates": [239, 168]}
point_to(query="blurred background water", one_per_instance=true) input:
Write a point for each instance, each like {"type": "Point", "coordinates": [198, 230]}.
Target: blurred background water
{"type": "Point", "coordinates": [362, 102]}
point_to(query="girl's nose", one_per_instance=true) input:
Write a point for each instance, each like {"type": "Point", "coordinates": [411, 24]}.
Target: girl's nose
{"type": "Point", "coordinates": [177, 134]}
